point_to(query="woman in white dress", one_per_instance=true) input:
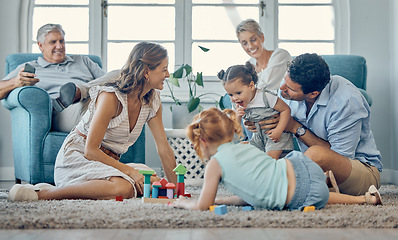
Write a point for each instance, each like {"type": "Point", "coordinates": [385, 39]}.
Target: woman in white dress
{"type": "Point", "coordinates": [87, 165]}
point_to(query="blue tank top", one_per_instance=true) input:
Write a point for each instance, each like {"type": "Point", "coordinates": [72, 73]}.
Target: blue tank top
{"type": "Point", "coordinates": [252, 175]}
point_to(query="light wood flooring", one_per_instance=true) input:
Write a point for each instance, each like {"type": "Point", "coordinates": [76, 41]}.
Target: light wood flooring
{"type": "Point", "coordinates": [201, 233]}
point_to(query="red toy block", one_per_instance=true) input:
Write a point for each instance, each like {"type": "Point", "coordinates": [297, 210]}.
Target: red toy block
{"type": "Point", "coordinates": [188, 195]}
{"type": "Point", "coordinates": [119, 198]}
{"type": "Point", "coordinates": [180, 189]}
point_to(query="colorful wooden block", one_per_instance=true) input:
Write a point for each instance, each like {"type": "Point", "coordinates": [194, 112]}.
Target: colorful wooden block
{"type": "Point", "coordinates": [248, 208]}
{"type": "Point", "coordinates": [180, 189]}
{"type": "Point", "coordinates": [211, 208]}
{"type": "Point", "coordinates": [309, 209]}
{"type": "Point", "coordinates": [119, 198]}
{"type": "Point", "coordinates": [147, 190]}
{"type": "Point", "coordinates": [180, 169]}
{"type": "Point", "coordinates": [155, 189]}
{"type": "Point", "coordinates": [221, 210]}
{"type": "Point", "coordinates": [158, 200]}
{"type": "Point", "coordinates": [147, 181]}
{"type": "Point", "coordinates": [170, 190]}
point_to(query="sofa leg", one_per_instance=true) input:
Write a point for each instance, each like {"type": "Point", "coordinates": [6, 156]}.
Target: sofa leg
{"type": "Point", "coordinates": [18, 181]}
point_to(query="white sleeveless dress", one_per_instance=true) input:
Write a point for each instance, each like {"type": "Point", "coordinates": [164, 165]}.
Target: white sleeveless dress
{"type": "Point", "coordinates": [72, 167]}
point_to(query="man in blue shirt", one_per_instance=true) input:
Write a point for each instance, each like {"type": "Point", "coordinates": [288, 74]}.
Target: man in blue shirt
{"type": "Point", "coordinates": [65, 78]}
{"type": "Point", "coordinates": [331, 120]}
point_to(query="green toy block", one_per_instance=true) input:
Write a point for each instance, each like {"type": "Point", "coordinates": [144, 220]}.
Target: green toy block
{"type": "Point", "coordinates": [180, 169]}
{"type": "Point", "coordinates": [147, 172]}
{"type": "Point", "coordinates": [180, 178]}
{"type": "Point", "coordinates": [147, 175]}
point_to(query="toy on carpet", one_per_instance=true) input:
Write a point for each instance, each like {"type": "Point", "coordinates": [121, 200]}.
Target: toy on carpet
{"type": "Point", "coordinates": [211, 208]}
{"type": "Point", "coordinates": [119, 198]}
{"type": "Point", "coordinates": [221, 210]}
{"type": "Point", "coordinates": [163, 191]}
{"type": "Point", "coordinates": [248, 208]}
{"type": "Point", "coordinates": [309, 209]}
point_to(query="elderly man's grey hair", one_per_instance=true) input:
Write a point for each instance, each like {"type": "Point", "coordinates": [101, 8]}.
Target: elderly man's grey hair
{"type": "Point", "coordinates": [45, 29]}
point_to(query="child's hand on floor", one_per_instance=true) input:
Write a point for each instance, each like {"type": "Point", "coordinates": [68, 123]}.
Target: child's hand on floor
{"type": "Point", "coordinates": [183, 202]}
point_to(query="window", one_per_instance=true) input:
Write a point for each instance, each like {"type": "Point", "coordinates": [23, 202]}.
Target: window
{"type": "Point", "coordinates": [306, 26]}
{"type": "Point", "coordinates": [111, 28]}
{"type": "Point", "coordinates": [181, 26]}
{"type": "Point", "coordinates": [130, 22]}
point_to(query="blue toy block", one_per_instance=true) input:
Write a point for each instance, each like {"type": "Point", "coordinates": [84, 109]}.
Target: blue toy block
{"type": "Point", "coordinates": [221, 210]}
{"type": "Point", "coordinates": [248, 208]}
{"type": "Point", "coordinates": [155, 192]}
{"type": "Point", "coordinates": [147, 190]}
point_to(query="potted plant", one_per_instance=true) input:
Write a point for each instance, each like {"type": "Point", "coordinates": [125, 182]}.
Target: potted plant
{"type": "Point", "coordinates": [192, 107]}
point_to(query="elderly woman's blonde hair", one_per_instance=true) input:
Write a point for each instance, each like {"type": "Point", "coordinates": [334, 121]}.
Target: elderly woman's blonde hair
{"type": "Point", "coordinates": [249, 25]}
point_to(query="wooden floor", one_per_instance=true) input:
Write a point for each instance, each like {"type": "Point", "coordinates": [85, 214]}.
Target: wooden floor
{"type": "Point", "coordinates": [208, 234]}
{"type": "Point", "coordinates": [199, 233]}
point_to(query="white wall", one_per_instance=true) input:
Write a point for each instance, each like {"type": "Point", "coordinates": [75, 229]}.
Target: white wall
{"type": "Point", "coordinates": [8, 44]}
{"type": "Point", "coordinates": [393, 164]}
{"type": "Point", "coordinates": [374, 35]}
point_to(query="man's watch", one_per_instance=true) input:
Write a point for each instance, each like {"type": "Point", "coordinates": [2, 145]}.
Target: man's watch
{"type": "Point", "coordinates": [300, 131]}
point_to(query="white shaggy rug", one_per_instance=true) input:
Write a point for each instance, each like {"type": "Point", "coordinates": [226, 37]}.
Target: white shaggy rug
{"type": "Point", "coordinates": [132, 213]}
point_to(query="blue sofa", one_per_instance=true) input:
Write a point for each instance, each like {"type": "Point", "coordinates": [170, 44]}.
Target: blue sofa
{"type": "Point", "coordinates": [35, 145]}
{"type": "Point", "coordinates": [351, 67]}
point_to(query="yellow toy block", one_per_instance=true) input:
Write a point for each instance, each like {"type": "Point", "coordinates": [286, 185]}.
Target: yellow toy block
{"type": "Point", "coordinates": [211, 208]}
{"type": "Point", "coordinates": [309, 209]}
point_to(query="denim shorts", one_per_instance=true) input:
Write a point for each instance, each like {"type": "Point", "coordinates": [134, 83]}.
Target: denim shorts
{"type": "Point", "coordinates": [311, 188]}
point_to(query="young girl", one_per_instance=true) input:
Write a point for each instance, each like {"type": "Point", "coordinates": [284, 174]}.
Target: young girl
{"type": "Point", "coordinates": [255, 178]}
{"type": "Point", "coordinates": [87, 165]}
{"type": "Point", "coordinates": [255, 105]}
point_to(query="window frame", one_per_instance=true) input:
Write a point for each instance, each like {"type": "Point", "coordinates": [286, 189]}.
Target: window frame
{"type": "Point", "coordinates": [31, 35]}
{"type": "Point", "coordinates": [98, 31]}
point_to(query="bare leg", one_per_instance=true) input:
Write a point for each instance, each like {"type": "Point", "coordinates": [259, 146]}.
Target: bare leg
{"type": "Point", "coordinates": [275, 154]}
{"type": "Point", "coordinates": [338, 198]}
{"type": "Point", "coordinates": [369, 198]}
{"type": "Point", "coordinates": [93, 189]}
{"type": "Point", "coordinates": [328, 159]}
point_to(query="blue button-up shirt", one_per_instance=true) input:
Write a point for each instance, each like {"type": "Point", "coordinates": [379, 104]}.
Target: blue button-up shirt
{"type": "Point", "coordinates": [341, 116]}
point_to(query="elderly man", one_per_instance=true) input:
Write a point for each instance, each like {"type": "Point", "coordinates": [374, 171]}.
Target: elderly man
{"type": "Point", "coordinates": [64, 77]}
{"type": "Point", "coordinates": [331, 120]}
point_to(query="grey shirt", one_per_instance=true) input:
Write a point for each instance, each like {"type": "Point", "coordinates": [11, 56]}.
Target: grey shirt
{"type": "Point", "coordinates": [76, 68]}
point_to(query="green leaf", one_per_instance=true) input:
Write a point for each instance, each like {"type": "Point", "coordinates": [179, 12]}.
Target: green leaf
{"type": "Point", "coordinates": [188, 69]}
{"type": "Point", "coordinates": [178, 73]}
{"type": "Point", "coordinates": [204, 49]}
{"type": "Point", "coordinates": [199, 79]}
{"type": "Point", "coordinates": [174, 80]}
{"type": "Point", "coordinates": [193, 104]}
{"type": "Point", "coordinates": [221, 103]}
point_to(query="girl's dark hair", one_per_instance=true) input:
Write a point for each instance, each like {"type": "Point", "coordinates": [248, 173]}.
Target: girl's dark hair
{"type": "Point", "coordinates": [144, 56]}
{"type": "Point", "coordinates": [246, 73]}
{"type": "Point", "coordinates": [310, 71]}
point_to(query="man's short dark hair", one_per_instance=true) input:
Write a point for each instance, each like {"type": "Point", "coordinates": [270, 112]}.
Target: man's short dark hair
{"type": "Point", "coordinates": [310, 71]}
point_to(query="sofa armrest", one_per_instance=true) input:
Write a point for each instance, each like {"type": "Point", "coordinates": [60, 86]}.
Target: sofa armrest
{"type": "Point", "coordinates": [31, 115]}
{"type": "Point", "coordinates": [33, 101]}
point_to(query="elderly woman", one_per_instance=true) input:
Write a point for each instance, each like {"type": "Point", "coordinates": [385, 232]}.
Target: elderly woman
{"type": "Point", "coordinates": [270, 65]}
